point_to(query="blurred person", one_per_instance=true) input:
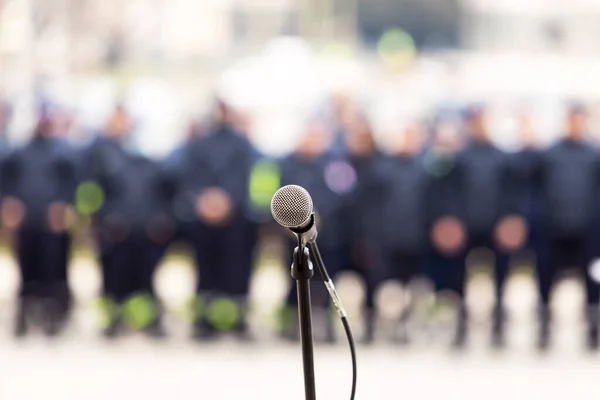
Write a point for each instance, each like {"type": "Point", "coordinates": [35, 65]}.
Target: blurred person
{"type": "Point", "coordinates": [446, 241]}
{"type": "Point", "coordinates": [405, 215]}
{"type": "Point", "coordinates": [362, 215]}
{"type": "Point", "coordinates": [567, 178]}
{"type": "Point", "coordinates": [341, 109]}
{"type": "Point", "coordinates": [217, 174]}
{"type": "Point", "coordinates": [525, 163]}
{"type": "Point", "coordinates": [132, 225]}
{"type": "Point", "coordinates": [175, 164]}
{"type": "Point", "coordinates": [39, 181]}
{"type": "Point", "coordinates": [491, 213]}
{"type": "Point", "coordinates": [324, 175]}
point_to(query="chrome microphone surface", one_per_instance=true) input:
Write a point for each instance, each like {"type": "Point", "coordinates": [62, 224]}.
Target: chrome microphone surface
{"type": "Point", "coordinates": [292, 207]}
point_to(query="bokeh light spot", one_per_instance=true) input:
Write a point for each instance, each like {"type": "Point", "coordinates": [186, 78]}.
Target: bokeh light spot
{"type": "Point", "coordinates": [140, 311]}
{"type": "Point", "coordinates": [594, 270]}
{"type": "Point", "coordinates": [396, 48]}
{"type": "Point", "coordinates": [223, 314]}
{"type": "Point", "coordinates": [89, 198]}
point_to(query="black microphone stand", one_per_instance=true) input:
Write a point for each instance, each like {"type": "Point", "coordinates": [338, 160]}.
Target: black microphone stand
{"type": "Point", "coordinates": [302, 272]}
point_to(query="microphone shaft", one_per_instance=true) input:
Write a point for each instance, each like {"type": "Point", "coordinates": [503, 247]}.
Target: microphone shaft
{"type": "Point", "coordinates": [306, 336]}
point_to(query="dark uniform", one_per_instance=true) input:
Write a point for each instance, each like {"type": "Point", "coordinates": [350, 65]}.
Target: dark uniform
{"type": "Point", "coordinates": [490, 193]}
{"type": "Point", "coordinates": [323, 177]}
{"type": "Point", "coordinates": [568, 178]}
{"type": "Point", "coordinates": [405, 219]}
{"type": "Point", "coordinates": [133, 227]}
{"type": "Point", "coordinates": [443, 200]}
{"type": "Point", "coordinates": [525, 163]}
{"type": "Point", "coordinates": [362, 221]}
{"type": "Point", "coordinates": [222, 159]}
{"type": "Point", "coordinates": [41, 176]}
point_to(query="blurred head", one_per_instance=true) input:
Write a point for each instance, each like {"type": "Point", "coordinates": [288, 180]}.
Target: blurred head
{"type": "Point", "coordinates": [360, 139]}
{"type": "Point", "coordinates": [119, 124]}
{"type": "Point", "coordinates": [62, 123]}
{"type": "Point", "coordinates": [241, 121]}
{"type": "Point", "coordinates": [409, 141]}
{"type": "Point", "coordinates": [576, 122]}
{"type": "Point", "coordinates": [224, 113]}
{"type": "Point", "coordinates": [44, 127]}
{"type": "Point", "coordinates": [193, 131]}
{"type": "Point", "coordinates": [525, 131]}
{"type": "Point", "coordinates": [315, 140]}
{"type": "Point", "coordinates": [341, 104]}
{"type": "Point", "coordinates": [476, 124]}
{"type": "Point", "coordinates": [446, 135]}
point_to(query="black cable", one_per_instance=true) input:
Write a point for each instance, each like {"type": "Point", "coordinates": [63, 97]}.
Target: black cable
{"type": "Point", "coordinates": [316, 255]}
{"type": "Point", "coordinates": [352, 352]}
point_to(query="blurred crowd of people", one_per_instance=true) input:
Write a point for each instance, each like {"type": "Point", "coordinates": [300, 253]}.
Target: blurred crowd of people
{"type": "Point", "coordinates": [416, 208]}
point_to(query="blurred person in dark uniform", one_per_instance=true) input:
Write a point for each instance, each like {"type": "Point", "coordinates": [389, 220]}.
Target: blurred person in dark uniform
{"type": "Point", "coordinates": [183, 201]}
{"type": "Point", "coordinates": [525, 162]}
{"type": "Point", "coordinates": [218, 166]}
{"type": "Point", "coordinates": [340, 110]}
{"type": "Point", "coordinates": [39, 181]}
{"type": "Point", "coordinates": [491, 207]}
{"type": "Point", "coordinates": [313, 166]}
{"type": "Point", "coordinates": [133, 225]}
{"type": "Point", "coordinates": [443, 200]}
{"type": "Point", "coordinates": [62, 123]}
{"type": "Point", "coordinates": [362, 218]}
{"type": "Point", "coordinates": [568, 179]}
{"type": "Point", "coordinates": [405, 215]}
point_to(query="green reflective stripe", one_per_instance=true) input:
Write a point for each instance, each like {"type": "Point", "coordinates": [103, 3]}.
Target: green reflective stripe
{"type": "Point", "coordinates": [264, 182]}
{"type": "Point", "coordinates": [223, 314]}
{"type": "Point", "coordinates": [140, 311]}
{"type": "Point", "coordinates": [89, 198]}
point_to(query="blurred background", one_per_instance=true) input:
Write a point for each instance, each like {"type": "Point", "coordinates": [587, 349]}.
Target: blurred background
{"type": "Point", "coordinates": [112, 117]}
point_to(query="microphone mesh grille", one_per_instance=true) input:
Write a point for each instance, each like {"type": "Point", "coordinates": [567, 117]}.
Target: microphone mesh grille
{"type": "Point", "coordinates": [291, 206]}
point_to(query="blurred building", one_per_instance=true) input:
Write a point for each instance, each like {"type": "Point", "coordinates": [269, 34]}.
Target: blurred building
{"type": "Point", "coordinates": [533, 25]}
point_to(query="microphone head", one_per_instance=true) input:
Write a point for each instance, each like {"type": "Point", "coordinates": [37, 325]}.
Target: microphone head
{"type": "Point", "coordinates": [291, 206]}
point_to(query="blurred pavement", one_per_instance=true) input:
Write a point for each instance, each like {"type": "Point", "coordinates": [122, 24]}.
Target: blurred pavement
{"type": "Point", "coordinates": [81, 365]}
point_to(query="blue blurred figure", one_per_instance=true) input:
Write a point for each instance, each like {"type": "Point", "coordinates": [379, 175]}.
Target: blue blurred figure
{"type": "Point", "coordinates": [446, 230]}
{"type": "Point", "coordinates": [405, 215]}
{"type": "Point", "coordinates": [39, 181]}
{"type": "Point", "coordinates": [491, 206]}
{"type": "Point", "coordinates": [216, 179]}
{"type": "Point", "coordinates": [362, 218]}
{"type": "Point", "coordinates": [132, 224]}
{"type": "Point", "coordinates": [567, 179]}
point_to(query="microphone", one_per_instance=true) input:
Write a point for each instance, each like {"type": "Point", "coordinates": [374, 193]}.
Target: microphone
{"type": "Point", "coordinates": [292, 208]}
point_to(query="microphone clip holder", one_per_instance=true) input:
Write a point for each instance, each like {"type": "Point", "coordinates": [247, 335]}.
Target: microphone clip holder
{"type": "Point", "coordinates": [302, 271]}
{"type": "Point", "coordinates": [308, 233]}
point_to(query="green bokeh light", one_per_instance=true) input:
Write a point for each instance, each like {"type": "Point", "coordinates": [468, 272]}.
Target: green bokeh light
{"type": "Point", "coordinates": [223, 314]}
{"type": "Point", "coordinates": [89, 198]}
{"type": "Point", "coordinates": [396, 47]}
{"type": "Point", "coordinates": [140, 311]}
